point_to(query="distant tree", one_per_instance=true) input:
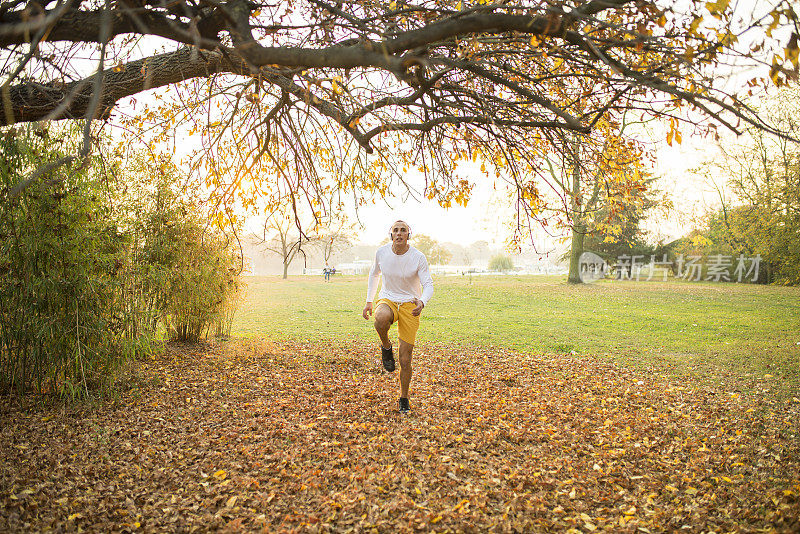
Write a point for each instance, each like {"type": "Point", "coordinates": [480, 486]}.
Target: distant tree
{"type": "Point", "coordinates": [284, 237]}
{"type": "Point", "coordinates": [760, 199]}
{"type": "Point", "coordinates": [466, 256]}
{"type": "Point", "coordinates": [433, 250]}
{"type": "Point", "coordinates": [620, 232]}
{"type": "Point", "coordinates": [597, 183]}
{"type": "Point", "coordinates": [334, 236]}
{"type": "Point", "coordinates": [479, 249]}
{"type": "Point", "coordinates": [501, 263]}
{"type": "Point", "coordinates": [455, 250]}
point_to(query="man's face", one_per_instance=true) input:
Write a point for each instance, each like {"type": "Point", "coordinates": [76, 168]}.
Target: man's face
{"type": "Point", "coordinates": [399, 233]}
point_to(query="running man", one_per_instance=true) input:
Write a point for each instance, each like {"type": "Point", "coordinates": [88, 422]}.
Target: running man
{"type": "Point", "coordinates": [404, 270]}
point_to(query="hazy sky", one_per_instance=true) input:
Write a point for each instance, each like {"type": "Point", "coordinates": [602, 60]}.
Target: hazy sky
{"type": "Point", "coordinates": [457, 224]}
{"type": "Point", "coordinates": [488, 214]}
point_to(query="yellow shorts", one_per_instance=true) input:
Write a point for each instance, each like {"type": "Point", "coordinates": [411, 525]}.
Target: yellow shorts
{"type": "Point", "coordinates": [407, 324]}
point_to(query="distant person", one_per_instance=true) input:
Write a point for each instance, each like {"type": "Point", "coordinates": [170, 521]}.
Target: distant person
{"type": "Point", "coordinates": [327, 272]}
{"type": "Point", "coordinates": [405, 271]}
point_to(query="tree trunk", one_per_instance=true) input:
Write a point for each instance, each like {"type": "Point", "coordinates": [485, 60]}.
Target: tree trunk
{"type": "Point", "coordinates": [285, 269]}
{"type": "Point", "coordinates": [578, 233]}
{"type": "Point", "coordinates": [578, 226]}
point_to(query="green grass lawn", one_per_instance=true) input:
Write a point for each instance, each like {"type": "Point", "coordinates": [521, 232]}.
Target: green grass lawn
{"type": "Point", "coordinates": [747, 333]}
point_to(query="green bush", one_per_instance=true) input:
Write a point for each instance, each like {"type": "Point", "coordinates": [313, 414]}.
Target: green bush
{"type": "Point", "coordinates": [501, 263]}
{"type": "Point", "coordinates": [202, 284]}
{"type": "Point", "coordinates": [59, 256]}
{"type": "Point", "coordinates": [96, 262]}
{"type": "Point", "coordinates": [189, 270]}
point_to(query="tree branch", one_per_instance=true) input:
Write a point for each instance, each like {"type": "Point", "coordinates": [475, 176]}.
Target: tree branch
{"type": "Point", "coordinates": [32, 101]}
{"type": "Point", "coordinates": [79, 26]}
{"type": "Point", "coordinates": [475, 119]}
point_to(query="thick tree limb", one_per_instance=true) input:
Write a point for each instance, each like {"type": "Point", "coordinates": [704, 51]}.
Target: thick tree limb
{"type": "Point", "coordinates": [80, 26]}
{"type": "Point", "coordinates": [33, 102]}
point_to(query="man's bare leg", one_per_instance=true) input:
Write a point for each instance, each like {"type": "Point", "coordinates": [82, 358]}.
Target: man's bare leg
{"type": "Point", "coordinates": [405, 367]}
{"type": "Point", "coordinates": [383, 320]}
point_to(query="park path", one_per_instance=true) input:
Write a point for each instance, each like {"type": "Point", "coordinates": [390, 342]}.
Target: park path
{"type": "Point", "coordinates": [252, 435]}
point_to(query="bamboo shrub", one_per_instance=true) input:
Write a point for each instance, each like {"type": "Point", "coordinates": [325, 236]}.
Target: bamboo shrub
{"type": "Point", "coordinates": [97, 262]}
{"type": "Point", "coordinates": [188, 273]}
{"type": "Point", "coordinates": [58, 259]}
{"type": "Point", "coordinates": [205, 288]}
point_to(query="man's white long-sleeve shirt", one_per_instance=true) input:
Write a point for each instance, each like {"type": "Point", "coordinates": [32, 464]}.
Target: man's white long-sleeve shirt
{"type": "Point", "coordinates": [402, 274]}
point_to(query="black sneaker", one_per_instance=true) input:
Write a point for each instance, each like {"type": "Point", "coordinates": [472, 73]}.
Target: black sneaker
{"type": "Point", "coordinates": [388, 359]}
{"type": "Point", "coordinates": [405, 406]}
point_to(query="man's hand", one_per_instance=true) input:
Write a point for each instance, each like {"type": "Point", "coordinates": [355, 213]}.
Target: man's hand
{"type": "Point", "coordinates": [367, 310]}
{"type": "Point", "coordinates": [416, 311]}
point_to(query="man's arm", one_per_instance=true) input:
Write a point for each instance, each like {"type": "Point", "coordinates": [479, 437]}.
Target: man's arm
{"type": "Point", "coordinates": [372, 286]}
{"type": "Point", "coordinates": [425, 279]}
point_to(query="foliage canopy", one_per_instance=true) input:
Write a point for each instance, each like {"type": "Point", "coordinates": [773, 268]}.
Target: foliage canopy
{"type": "Point", "coordinates": [434, 252]}
{"type": "Point", "coordinates": [501, 263]}
{"type": "Point", "coordinates": [315, 100]}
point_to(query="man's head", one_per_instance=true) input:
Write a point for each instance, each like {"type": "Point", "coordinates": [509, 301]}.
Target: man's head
{"type": "Point", "coordinates": [399, 232]}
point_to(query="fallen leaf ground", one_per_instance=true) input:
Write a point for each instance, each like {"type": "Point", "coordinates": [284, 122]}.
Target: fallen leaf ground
{"type": "Point", "coordinates": [256, 436]}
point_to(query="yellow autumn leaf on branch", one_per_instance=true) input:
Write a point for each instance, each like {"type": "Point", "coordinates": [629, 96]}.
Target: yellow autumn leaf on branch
{"type": "Point", "coordinates": [717, 7]}
{"type": "Point", "coordinates": [776, 18]}
{"type": "Point", "coordinates": [694, 25]}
